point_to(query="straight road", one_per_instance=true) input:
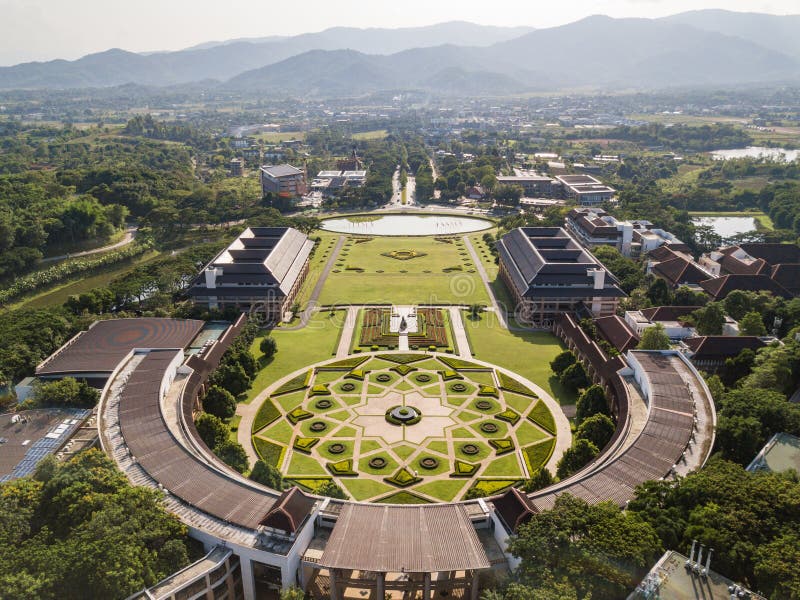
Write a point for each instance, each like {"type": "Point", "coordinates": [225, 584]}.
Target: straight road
{"type": "Point", "coordinates": [312, 301]}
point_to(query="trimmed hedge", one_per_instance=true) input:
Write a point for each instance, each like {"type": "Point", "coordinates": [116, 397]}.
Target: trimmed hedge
{"type": "Point", "coordinates": [320, 389]}
{"type": "Point", "coordinates": [403, 369]}
{"type": "Point", "coordinates": [447, 375]}
{"type": "Point", "coordinates": [537, 455]}
{"type": "Point", "coordinates": [458, 364]}
{"type": "Point", "coordinates": [355, 374]}
{"type": "Point", "coordinates": [464, 469]}
{"type": "Point", "coordinates": [270, 452]}
{"type": "Point", "coordinates": [502, 446]}
{"type": "Point", "coordinates": [295, 383]}
{"type": "Point", "coordinates": [490, 487]}
{"type": "Point", "coordinates": [267, 414]}
{"type": "Point", "coordinates": [297, 415]}
{"type": "Point", "coordinates": [542, 416]}
{"type": "Point", "coordinates": [403, 478]}
{"type": "Point", "coordinates": [512, 385]}
{"type": "Point", "coordinates": [488, 390]}
{"type": "Point", "coordinates": [304, 444]}
{"type": "Point", "coordinates": [402, 359]}
{"type": "Point", "coordinates": [509, 416]}
{"type": "Point", "coordinates": [347, 364]}
{"type": "Point", "coordinates": [343, 468]}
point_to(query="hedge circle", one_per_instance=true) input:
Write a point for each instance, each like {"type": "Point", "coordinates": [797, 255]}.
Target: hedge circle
{"type": "Point", "coordinates": [423, 377]}
{"type": "Point", "coordinates": [483, 405]}
{"type": "Point", "coordinates": [428, 463]}
{"type": "Point", "coordinates": [318, 426]}
{"type": "Point", "coordinates": [383, 377]}
{"type": "Point", "coordinates": [348, 387]}
{"type": "Point", "coordinates": [470, 449]}
{"type": "Point", "coordinates": [336, 448]}
{"type": "Point", "coordinates": [458, 387]}
{"type": "Point", "coordinates": [377, 462]}
{"type": "Point", "coordinates": [323, 403]}
{"type": "Point", "coordinates": [489, 428]}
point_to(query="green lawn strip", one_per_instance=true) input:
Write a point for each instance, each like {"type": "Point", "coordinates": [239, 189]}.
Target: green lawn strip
{"type": "Point", "coordinates": [299, 382]}
{"type": "Point", "coordinates": [438, 446]}
{"type": "Point", "coordinates": [301, 464]}
{"type": "Point", "coordinates": [459, 364]}
{"type": "Point", "coordinates": [429, 365]}
{"type": "Point", "coordinates": [445, 490]}
{"type": "Point", "coordinates": [404, 386]}
{"type": "Point", "coordinates": [327, 376]}
{"type": "Point", "coordinates": [233, 427]}
{"type": "Point", "coordinates": [368, 446]}
{"type": "Point", "coordinates": [352, 400]}
{"type": "Point", "coordinates": [377, 364]}
{"type": "Point", "coordinates": [502, 429]}
{"type": "Point", "coordinates": [363, 489]}
{"type": "Point", "coordinates": [456, 400]}
{"type": "Point", "coordinates": [529, 434]}
{"type": "Point", "coordinates": [402, 498]}
{"type": "Point", "coordinates": [267, 413]}
{"type": "Point", "coordinates": [537, 455]}
{"type": "Point", "coordinates": [431, 390]}
{"type": "Point", "coordinates": [304, 346]}
{"type": "Point", "coordinates": [391, 464]}
{"type": "Point", "coordinates": [468, 416]}
{"type": "Point", "coordinates": [341, 415]}
{"type": "Point", "coordinates": [345, 432]}
{"type": "Point", "coordinates": [483, 452]}
{"type": "Point", "coordinates": [280, 432]}
{"type": "Point", "coordinates": [289, 402]}
{"type": "Point", "coordinates": [404, 451]}
{"type": "Point", "coordinates": [462, 432]}
{"type": "Point", "coordinates": [505, 466]}
{"type": "Point", "coordinates": [270, 452]}
{"type": "Point", "coordinates": [542, 416]}
{"type": "Point", "coordinates": [492, 487]}
{"type": "Point", "coordinates": [402, 359]}
{"type": "Point", "coordinates": [521, 404]}
{"type": "Point", "coordinates": [324, 450]}
{"type": "Point", "coordinates": [305, 427]}
{"type": "Point", "coordinates": [512, 385]}
{"type": "Point", "coordinates": [442, 467]}
{"type": "Point", "coordinates": [480, 377]}
{"type": "Point", "coordinates": [527, 353]}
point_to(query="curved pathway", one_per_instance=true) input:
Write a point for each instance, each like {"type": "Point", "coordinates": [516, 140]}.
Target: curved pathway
{"type": "Point", "coordinates": [130, 235]}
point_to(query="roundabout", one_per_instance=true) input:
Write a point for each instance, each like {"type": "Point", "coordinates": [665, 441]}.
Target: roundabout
{"type": "Point", "coordinates": [406, 427]}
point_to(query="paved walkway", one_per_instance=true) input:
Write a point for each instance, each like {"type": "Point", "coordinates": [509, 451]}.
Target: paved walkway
{"type": "Point", "coordinates": [500, 311]}
{"type": "Point", "coordinates": [462, 342]}
{"type": "Point", "coordinates": [130, 235]}
{"type": "Point", "coordinates": [348, 329]}
{"type": "Point", "coordinates": [312, 301]}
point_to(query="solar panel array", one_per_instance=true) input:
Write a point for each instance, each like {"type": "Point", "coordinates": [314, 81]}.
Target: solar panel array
{"type": "Point", "coordinates": [660, 445]}
{"type": "Point", "coordinates": [47, 444]}
{"type": "Point", "coordinates": [161, 455]}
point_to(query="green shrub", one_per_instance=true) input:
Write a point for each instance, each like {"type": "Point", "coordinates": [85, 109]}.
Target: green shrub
{"type": "Point", "coordinates": [512, 385]}
{"type": "Point", "coordinates": [403, 369]}
{"type": "Point", "coordinates": [297, 415]}
{"type": "Point", "coordinates": [347, 364]}
{"type": "Point", "coordinates": [502, 446]}
{"type": "Point", "coordinates": [270, 452]}
{"type": "Point", "coordinates": [403, 478]}
{"type": "Point", "coordinates": [402, 359]}
{"type": "Point", "coordinates": [489, 487]}
{"type": "Point", "coordinates": [320, 389]}
{"type": "Point", "coordinates": [464, 469]}
{"type": "Point", "coordinates": [488, 390]}
{"type": "Point", "coordinates": [542, 416]}
{"type": "Point", "coordinates": [357, 374]}
{"type": "Point", "coordinates": [295, 383]}
{"type": "Point", "coordinates": [509, 416]}
{"type": "Point", "coordinates": [304, 444]}
{"type": "Point", "coordinates": [537, 455]}
{"type": "Point", "coordinates": [267, 413]}
{"type": "Point", "coordinates": [343, 468]}
{"type": "Point", "coordinates": [448, 375]}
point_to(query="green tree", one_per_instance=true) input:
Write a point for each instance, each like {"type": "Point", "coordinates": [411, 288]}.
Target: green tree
{"type": "Point", "coordinates": [266, 474]}
{"type": "Point", "coordinates": [737, 367]}
{"type": "Point", "coordinates": [574, 377]}
{"type": "Point", "coordinates": [292, 593]}
{"type": "Point", "coordinates": [475, 311]}
{"type": "Point", "coordinates": [577, 456]}
{"type": "Point", "coordinates": [268, 347]}
{"type": "Point", "coordinates": [219, 402]}
{"type": "Point", "coordinates": [654, 338]}
{"type": "Point", "coordinates": [752, 324]}
{"type": "Point", "coordinates": [65, 392]}
{"type": "Point", "coordinates": [212, 430]}
{"type": "Point", "coordinates": [233, 378]}
{"type": "Point", "coordinates": [709, 319]}
{"type": "Point", "coordinates": [591, 402]}
{"type": "Point", "coordinates": [562, 361]}
{"type": "Point", "coordinates": [331, 490]}
{"type": "Point", "coordinates": [659, 293]}
{"type": "Point", "coordinates": [539, 479]}
{"type": "Point", "coordinates": [598, 429]}
{"type": "Point", "coordinates": [232, 454]}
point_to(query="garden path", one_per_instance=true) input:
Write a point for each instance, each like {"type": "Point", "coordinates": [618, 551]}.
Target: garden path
{"type": "Point", "coordinates": [462, 342]}
{"type": "Point", "coordinates": [501, 314]}
{"type": "Point", "coordinates": [348, 328]}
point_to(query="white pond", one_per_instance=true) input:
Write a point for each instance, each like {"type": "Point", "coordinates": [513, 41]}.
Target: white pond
{"type": "Point", "coordinates": [406, 225]}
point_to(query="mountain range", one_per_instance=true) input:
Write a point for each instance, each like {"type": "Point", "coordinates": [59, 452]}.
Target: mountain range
{"type": "Point", "coordinates": [698, 48]}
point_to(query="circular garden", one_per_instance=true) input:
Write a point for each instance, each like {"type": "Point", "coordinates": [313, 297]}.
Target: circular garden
{"type": "Point", "coordinates": [405, 427]}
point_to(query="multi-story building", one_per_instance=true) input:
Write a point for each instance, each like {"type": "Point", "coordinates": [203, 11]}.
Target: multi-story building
{"type": "Point", "coordinates": [778, 262]}
{"type": "Point", "coordinates": [236, 167]}
{"type": "Point", "coordinates": [261, 271]}
{"type": "Point", "coordinates": [533, 184]}
{"type": "Point", "coordinates": [585, 189]}
{"type": "Point", "coordinates": [284, 180]}
{"type": "Point", "coordinates": [549, 273]}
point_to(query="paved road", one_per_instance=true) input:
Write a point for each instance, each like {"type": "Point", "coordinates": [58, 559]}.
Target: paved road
{"type": "Point", "coordinates": [462, 342]}
{"type": "Point", "coordinates": [348, 328]}
{"type": "Point", "coordinates": [499, 311]}
{"type": "Point", "coordinates": [130, 235]}
{"type": "Point", "coordinates": [312, 301]}
{"type": "Point", "coordinates": [411, 191]}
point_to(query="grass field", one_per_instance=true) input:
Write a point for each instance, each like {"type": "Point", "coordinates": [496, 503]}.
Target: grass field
{"type": "Point", "coordinates": [322, 253]}
{"type": "Point", "coordinates": [375, 134]}
{"type": "Point", "coordinates": [365, 275]}
{"type": "Point", "coordinates": [761, 217]}
{"type": "Point", "coordinates": [273, 137]}
{"type": "Point", "coordinates": [528, 353]}
{"type": "Point", "coordinates": [313, 343]}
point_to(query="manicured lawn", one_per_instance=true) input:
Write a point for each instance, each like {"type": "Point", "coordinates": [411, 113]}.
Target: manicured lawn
{"type": "Point", "coordinates": [233, 424]}
{"type": "Point", "coordinates": [322, 253]}
{"type": "Point", "coordinates": [375, 134]}
{"type": "Point", "coordinates": [493, 486]}
{"type": "Point", "coordinates": [403, 498]}
{"type": "Point", "coordinates": [313, 343]}
{"type": "Point", "coordinates": [361, 489]}
{"type": "Point", "coordinates": [391, 464]}
{"type": "Point", "coordinates": [301, 464]}
{"type": "Point", "coordinates": [505, 466]}
{"type": "Point", "coordinates": [290, 401]}
{"type": "Point", "coordinates": [404, 451]}
{"type": "Point", "coordinates": [280, 432]}
{"type": "Point", "coordinates": [444, 490]}
{"type": "Point", "coordinates": [528, 353]}
{"type": "Point", "coordinates": [414, 281]}
{"type": "Point", "coordinates": [529, 434]}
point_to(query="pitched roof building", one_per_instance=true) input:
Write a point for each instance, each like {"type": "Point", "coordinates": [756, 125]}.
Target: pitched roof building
{"type": "Point", "coordinates": [720, 287]}
{"type": "Point", "coordinates": [549, 273]}
{"type": "Point", "coordinates": [709, 352]}
{"type": "Point", "coordinates": [614, 330]}
{"type": "Point", "coordinates": [779, 262]}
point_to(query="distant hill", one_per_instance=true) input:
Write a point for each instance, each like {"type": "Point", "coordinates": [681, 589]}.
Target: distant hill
{"type": "Point", "coordinates": [775, 32]}
{"type": "Point", "coordinates": [593, 53]}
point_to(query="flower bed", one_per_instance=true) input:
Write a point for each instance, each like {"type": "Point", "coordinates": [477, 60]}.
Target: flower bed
{"type": "Point", "coordinates": [377, 462]}
{"type": "Point", "coordinates": [304, 444]}
{"type": "Point", "coordinates": [297, 415]}
{"type": "Point", "coordinates": [428, 463]}
{"type": "Point", "coordinates": [295, 383]}
{"type": "Point", "coordinates": [323, 403]}
{"type": "Point", "coordinates": [470, 449]}
{"type": "Point", "coordinates": [318, 426]}
{"type": "Point", "coordinates": [489, 428]}
{"type": "Point", "coordinates": [343, 468]}
{"type": "Point", "coordinates": [503, 445]}
{"type": "Point", "coordinates": [509, 416]}
{"type": "Point", "coordinates": [464, 469]}
{"type": "Point", "coordinates": [336, 447]}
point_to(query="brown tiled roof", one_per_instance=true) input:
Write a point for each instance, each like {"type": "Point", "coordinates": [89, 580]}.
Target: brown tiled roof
{"type": "Point", "coordinates": [289, 511]}
{"type": "Point", "coordinates": [732, 265]}
{"type": "Point", "coordinates": [788, 276]}
{"type": "Point", "coordinates": [662, 253]}
{"type": "Point", "coordinates": [514, 508]}
{"type": "Point", "coordinates": [720, 347]}
{"type": "Point", "coordinates": [414, 538]}
{"type": "Point", "coordinates": [773, 253]}
{"type": "Point", "coordinates": [616, 332]}
{"type": "Point", "coordinates": [678, 271]}
{"type": "Point", "coordinates": [720, 287]}
{"type": "Point", "coordinates": [658, 314]}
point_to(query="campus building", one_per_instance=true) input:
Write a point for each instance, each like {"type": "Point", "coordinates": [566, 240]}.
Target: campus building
{"type": "Point", "coordinates": [533, 184]}
{"type": "Point", "coordinates": [585, 189]}
{"type": "Point", "coordinates": [284, 180]}
{"type": "Point", "coordinates": [756, 262]}
{"type": "Point", "coordinates": [262, 270]}
{"type": "Point", "coordinates": [549, 273]}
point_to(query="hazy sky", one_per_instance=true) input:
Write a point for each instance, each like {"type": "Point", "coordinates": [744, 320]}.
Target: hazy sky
{"type": "Point", "coordinates": [47, 29]}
